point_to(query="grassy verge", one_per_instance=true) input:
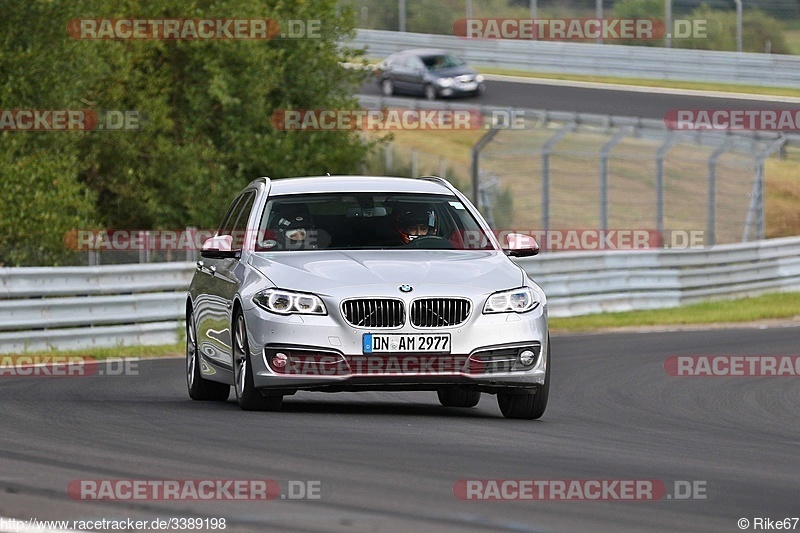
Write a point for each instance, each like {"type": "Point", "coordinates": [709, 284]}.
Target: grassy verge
{"type": "Point", "coordinates": [108, 353]}
{"type": "Point", "coordinates": [766, 307]}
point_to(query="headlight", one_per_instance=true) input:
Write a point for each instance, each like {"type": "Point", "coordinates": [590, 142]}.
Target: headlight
{"type": "Point", "coordinates": [513, 301]}
{"type": "Point", "coordinates": [289, 302]}
{"type": "Point", "coordinates": [445, 82]}
{"type": "Point", "coordinates": [479, 78]}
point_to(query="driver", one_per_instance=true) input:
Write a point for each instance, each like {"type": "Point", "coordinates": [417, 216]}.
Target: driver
{"type": "Point", "coordinates": [296, 230]}
{"type": "Point", "coordinates": [416, 222]}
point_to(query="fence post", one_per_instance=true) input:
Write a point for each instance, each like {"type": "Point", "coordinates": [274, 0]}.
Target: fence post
{"type": "Point", "coordinates": [660, 155]}
{"type": "Point", "coordinates": [476, 158]}
{"type": "Point", "coordinates": [605, 152]}
{"type": "Point", "coordinates": [547, 149]}
{"type": "Point", "coordinates": [755, 212]}
{"type": "Point", "coordinates": [388, 153]}
{"type": "Point", "coordinates": [711, 209]}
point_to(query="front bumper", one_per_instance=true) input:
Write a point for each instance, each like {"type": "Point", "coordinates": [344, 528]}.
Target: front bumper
{"type": "Point", "coordinates": [325, 353]}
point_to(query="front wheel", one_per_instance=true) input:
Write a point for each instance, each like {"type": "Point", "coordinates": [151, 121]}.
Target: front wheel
{"type": "Point", "coordinates": [526, 405]}
{"type": "Point", "coordinates": [247, 396]}
{"type": "Point", "coordinates": [200, 388]}
{"type": "Point", "coordinates": [459, 397]}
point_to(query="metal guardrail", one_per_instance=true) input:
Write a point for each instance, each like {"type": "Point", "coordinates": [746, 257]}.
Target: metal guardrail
{"type": "Point", "coordinates": [597, 59]}
{"type": "Point", "coordinates": [579, 283]}
{"type": "Point", "coordinates": [79, 307]}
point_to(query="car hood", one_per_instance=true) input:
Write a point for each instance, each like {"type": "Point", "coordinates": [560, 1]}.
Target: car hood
{"type": "Point", "coordinates": [374, 272]}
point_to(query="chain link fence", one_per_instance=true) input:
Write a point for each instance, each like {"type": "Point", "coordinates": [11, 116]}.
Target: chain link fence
{"type": "Point", "coordinates": [564, 175]}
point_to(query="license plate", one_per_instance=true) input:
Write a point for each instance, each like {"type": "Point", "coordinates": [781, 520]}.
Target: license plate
{"type": "Point", "coordinates": [380, 343]}
{"type": "Point", "coordinates": [470, 86]}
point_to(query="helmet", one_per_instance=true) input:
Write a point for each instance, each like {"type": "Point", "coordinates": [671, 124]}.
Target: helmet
{"type": "Point", "coordinates": [411, 220]}
{"type": "Point", "coordinates": [293, 223]}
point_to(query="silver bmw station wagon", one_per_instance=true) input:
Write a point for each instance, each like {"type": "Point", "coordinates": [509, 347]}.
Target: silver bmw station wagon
{"type": "Point", "coordinates": [353, 283]}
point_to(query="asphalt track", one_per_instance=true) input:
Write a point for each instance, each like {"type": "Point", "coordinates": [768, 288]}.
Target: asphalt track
{"type": "Point", "coordinates": [637, 103]}
{"type": "Point", "coordinates": [389, 461]}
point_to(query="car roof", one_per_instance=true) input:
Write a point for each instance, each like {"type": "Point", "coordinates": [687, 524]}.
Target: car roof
{"type": "Point", "coordinates": [422, 52]}
{"type": "Point", "coordinates": [322, 184]}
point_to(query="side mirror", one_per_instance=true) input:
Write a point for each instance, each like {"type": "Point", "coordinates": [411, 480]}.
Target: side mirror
{"type": "Point", "coordinates": [520, 245]}
{"type": "Point", "coordinates": [218, 247]}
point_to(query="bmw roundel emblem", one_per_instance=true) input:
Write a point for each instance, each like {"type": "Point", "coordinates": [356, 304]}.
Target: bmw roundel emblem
{"type": "Point", "coordinates": [406, 288]}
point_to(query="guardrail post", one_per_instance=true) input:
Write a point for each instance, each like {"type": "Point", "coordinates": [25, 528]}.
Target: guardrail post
{"type": "Point", "coordinates": [547, 149]}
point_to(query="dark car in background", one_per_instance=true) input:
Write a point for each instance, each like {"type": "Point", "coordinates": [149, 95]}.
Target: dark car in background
{"type": "Point", "coordinates": [429, 72]}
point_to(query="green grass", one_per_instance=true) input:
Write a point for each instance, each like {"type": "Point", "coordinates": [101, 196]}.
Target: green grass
{"type": "Point", "coordinates": [113, 352]}
{"type": "Point", "coordinates": [766, 307]}
{"type": "Point", "coordinates": [793, 40]}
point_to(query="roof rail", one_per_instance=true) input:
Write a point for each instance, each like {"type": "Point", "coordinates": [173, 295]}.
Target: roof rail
{"type": "Point", "coordinates": [263, 179]}
{"type": "Point", "coordinates": [441, 181]}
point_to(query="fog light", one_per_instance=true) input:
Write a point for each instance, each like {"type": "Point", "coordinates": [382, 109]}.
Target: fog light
{"type": "Point", "coordinates": [526, 357]}
{"type": "Point", "coordinates": [279, 361]}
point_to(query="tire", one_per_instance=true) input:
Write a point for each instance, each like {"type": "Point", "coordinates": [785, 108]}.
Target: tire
{"type": "Point", "coordinates": [387, 87]}
{"type": "Point", "coordinates": [459, 397]}
{"type": "Point", "coordinates": [247, 396]}
{"type": "Point", "coordinates": [527, 406]}
{"type": "Point", "coordinates": [200, 388]}
{"type": "Point", "coordinates": [430, 92]}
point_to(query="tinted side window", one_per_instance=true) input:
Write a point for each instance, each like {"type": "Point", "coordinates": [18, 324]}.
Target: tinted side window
{"type": "Point", "coordinates": [240, 226]}
{"type": "Point", "coordinates": [226, 226]}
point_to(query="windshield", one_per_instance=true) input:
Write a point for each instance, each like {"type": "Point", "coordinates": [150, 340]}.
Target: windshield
{"type": "Point", "coordinates": [356, 221]}
{"type": "Point", "coordinates": [441, 61]}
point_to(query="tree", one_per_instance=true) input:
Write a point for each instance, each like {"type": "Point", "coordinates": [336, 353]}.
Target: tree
{"type": "Point", "coordinates": [205, 108]}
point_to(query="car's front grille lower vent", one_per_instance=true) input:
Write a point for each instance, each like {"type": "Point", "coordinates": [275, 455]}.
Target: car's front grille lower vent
{"type": "Point", "coordinates": [374, 313]}
{"type": "Point", "coordinates": [439, 312]}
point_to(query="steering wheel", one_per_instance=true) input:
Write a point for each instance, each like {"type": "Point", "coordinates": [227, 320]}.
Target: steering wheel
{"type": "Point", "coordinates": [430, 242]}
